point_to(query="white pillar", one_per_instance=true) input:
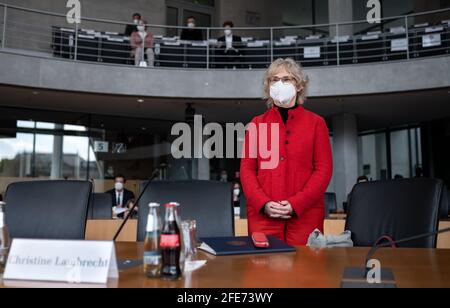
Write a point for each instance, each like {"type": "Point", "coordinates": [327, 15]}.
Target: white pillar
{"type": "Point", "coordinates": [340, 11]}
{"type": "Point", "coordinates": [57, 154]}
{"type": "Point", "coordinates": [345, 156]}
{"type": "Point", "coordinates": [77, 166]}
{"type": "Point", "coordinates": [201, 165]}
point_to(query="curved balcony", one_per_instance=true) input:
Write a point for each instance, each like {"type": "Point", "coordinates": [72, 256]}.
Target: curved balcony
{"type": "Point", "coordinates": [39, 49]}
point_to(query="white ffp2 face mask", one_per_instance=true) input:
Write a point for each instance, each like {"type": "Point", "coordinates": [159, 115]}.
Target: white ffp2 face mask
{"type": "Point", "coordinates": [118, 186]}
{"type": "Point", "coordinates": [228, 32]}
{"type": "Point", "coordinates": [282, 93]}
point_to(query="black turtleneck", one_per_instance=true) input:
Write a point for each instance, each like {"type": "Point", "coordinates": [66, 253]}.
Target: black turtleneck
{"type": "Point", "coordinates": [284, 112]}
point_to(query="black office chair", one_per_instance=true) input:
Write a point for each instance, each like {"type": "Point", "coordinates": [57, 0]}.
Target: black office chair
{"type": "Point", "coordinates": [398, 209]}
{"type": "Point", "coordinates": [243, 205]}
{"type": "Point", "coordinates": [330, 204]}
{"type": "Point", "coordinates": [47, 209]}
{"type": "Point", "coordinates": [448, 204]}
{"type": "Point", "coordinates": [209, 203]}
{"type": "Point", "coordinates": [100, 207]}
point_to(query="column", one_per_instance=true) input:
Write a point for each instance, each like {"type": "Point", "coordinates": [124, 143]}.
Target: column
{"type": "Point", "coordinates": [345, 156]}
{"type": "Point", "coordinates": [57, 154]}
{"type": "Point", "coordinates": [340, 11]}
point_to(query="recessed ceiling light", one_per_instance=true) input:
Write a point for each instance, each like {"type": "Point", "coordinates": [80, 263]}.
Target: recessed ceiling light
{"type": "Point", "coordinates": [140, 100]}
{"type": "Point", "coordinates": [35, 92]}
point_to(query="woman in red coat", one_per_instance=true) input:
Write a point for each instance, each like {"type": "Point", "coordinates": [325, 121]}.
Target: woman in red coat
{"type": "Point", "coordinates": [287, 199]}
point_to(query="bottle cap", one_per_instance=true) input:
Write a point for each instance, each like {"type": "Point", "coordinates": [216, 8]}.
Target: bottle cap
{"type": "Point", "coordinates": [172, 205]}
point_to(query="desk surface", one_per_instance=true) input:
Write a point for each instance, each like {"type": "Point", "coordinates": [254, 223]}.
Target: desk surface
{"type": "Point", "coordinates": [305, 268]}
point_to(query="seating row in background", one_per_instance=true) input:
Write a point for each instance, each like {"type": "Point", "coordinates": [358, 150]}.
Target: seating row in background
{"type": "Point", "coordinates": [108, 47]}
{"type": "Point", "coordinates": [58, 209]}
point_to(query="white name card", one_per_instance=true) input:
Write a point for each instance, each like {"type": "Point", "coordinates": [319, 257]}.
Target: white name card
{"type": "Point", "coordinates": [61, 261]}
{"type": "Point", "coordinates": [312, 52]}
{"type": "Point", "coordinates": [431, 40]}
{"type": "Point", "coordinates": [399, 45]}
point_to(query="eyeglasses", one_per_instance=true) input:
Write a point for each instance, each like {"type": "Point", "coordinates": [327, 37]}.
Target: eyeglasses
{"type": "Point", "coordinates": [284, 80]}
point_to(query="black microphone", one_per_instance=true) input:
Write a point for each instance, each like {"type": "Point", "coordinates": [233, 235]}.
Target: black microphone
{"type": "Point", "coordinates": [393, 243]}
{"type": "Point", "coordinates": [152, 178]}
{"type": "Point", "coordinates": [358, 277]}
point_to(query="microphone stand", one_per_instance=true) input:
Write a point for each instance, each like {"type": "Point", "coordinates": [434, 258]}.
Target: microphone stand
{"type": "Point", "coordinates": [357, 277]}
{"type": "Point", "coordinates": [153, 177]}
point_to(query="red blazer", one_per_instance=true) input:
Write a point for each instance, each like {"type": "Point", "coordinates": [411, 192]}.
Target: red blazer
{"type": "Point", "coordinates": [302, 176]}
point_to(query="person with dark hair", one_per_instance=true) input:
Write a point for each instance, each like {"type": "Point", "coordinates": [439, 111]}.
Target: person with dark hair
{"type": "Point", "coordinates": [419, 172]}
{"type": "Point", "coordinates": [133, 27]}
{"type": "Point", "coordinates": [122, 198]}
{"type": "Point", "coordinates": [230, 45]}
{"type": "Point", "coordinates": [191, 34]}
{"type": "Point", "coordinates": [362, 179]}
{"type": "Point", "coordinates": [142, 44]}
{"type": "Point", "coordinates": [237, 191]}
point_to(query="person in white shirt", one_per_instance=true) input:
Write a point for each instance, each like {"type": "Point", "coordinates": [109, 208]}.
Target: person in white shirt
{"type": "Point", "coordinates": [230, 45]}
{"type": "Point", "coordinates": [122, 198]}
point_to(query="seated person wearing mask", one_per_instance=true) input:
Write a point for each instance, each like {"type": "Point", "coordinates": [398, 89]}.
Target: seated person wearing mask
{"type": "Point", "coordinates": [142, 44]}
{"type": "Point", "coordinates": [121, 198]}
{"type": "Point", "coordinates": [133, 27]}
{"type": "Point", "coordinates": [230, 45]}
{"type": "Point", "coordinates": [237, 194]}
{"type": "Point", "coordinates": [191, 34]}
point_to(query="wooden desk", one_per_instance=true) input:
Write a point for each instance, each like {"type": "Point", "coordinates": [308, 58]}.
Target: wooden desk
{"type": "Point", "coordinates": [104, 230]}
{"type": "Point", "coordinates": [306, 268]}
{"type": "Point", "coordinates": [337, 226]}
{"type": "Point", "coordinates": [338, 216]}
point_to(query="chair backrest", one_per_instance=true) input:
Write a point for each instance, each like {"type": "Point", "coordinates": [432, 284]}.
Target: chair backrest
{"type": "Point", "coordinates": [330, 204]}
{"type": "Point", "coordinates": [100, 206]}
{"type": "Point", "coordinates": [399, 209]}
{"type": "Point", "coordinates": [209, 203]}
{"type": "Point", "coordinates": [243, 204]}
{"type": "Point", "coordinates": [446, 207]}
{"type": "Point", "coordinates": [47, 209]}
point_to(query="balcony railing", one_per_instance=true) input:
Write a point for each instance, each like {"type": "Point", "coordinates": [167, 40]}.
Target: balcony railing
{"type": "Point", "coordinates": [102, 41]}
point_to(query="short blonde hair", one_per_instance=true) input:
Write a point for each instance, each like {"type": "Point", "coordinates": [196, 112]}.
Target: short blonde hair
{"type": "Point", "coordinates": [295, 70]}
